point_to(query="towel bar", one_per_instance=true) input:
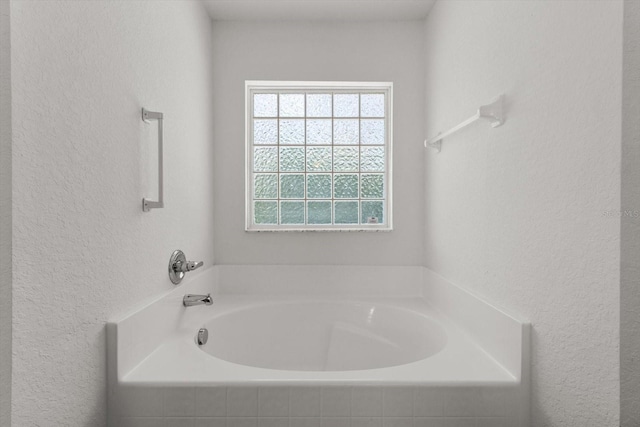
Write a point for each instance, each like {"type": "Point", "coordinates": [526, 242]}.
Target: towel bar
{"type": "Point", "coordinates": [492, 112]}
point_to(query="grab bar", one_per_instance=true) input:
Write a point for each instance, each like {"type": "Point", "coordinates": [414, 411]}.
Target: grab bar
{"type": "Point", "coordinates": [147, 204]}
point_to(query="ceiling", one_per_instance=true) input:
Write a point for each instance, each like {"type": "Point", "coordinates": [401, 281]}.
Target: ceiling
{"type": "Point", "coordinates": [318, 10]}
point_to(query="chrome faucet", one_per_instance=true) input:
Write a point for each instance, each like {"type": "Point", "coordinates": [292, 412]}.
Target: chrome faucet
{"type": "Point", "coordinates": [178, 266]}
{"type": "Point", "coordinates": [191, 300]}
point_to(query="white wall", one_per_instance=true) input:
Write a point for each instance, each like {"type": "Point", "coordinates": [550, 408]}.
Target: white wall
{"type": "Point", "coordinates": [5, 216]}
{"type": "Point", "coordinates": [82, 161]}
{"type": "Point", "coordinates": [318, 51]}
{"type": "Point", "coordinates": [630, 221]}
{"type": "Point", "coordinates": [526, 214]}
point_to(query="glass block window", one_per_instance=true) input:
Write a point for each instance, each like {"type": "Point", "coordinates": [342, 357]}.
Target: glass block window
{"type": "Point", "coordinates": [318, 156]}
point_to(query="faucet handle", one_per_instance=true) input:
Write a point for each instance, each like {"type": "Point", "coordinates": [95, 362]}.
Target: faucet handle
{"type": "Point", "coordinates": [178, 266]}
{"type": "Point", "coordinates": [192, 265]}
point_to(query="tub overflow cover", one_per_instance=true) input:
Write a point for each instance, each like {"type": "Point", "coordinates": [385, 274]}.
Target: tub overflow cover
{"type": "Point", "coordinates": [203, 336]}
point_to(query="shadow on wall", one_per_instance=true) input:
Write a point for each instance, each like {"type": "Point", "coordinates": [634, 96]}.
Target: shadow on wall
{"type": "Point", "coordinates": [630, 221]}
{"type": "Point", "coordinates": [536, 405]}
{"type": "Point", "coordinates": [5, 217]}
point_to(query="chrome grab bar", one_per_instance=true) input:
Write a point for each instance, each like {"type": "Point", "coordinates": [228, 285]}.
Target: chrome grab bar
{"type": "Point", "coordinates": [147, 204]}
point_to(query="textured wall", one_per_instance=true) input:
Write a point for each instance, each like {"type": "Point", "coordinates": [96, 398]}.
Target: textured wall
{"type": "Point", "coordinates": [318, 51]}
{"type": "Point", "coordinates": [5, 215]}
{"type": "Point", "coordinates": [82, 160]}
{"type": "Point", "coordinates": [527, 214]}
{"type": "Point", "coordinates": [630, 221]}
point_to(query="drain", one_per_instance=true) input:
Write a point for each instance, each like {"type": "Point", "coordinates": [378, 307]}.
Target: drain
{"type": "Point", "coordinates": [203, 336]}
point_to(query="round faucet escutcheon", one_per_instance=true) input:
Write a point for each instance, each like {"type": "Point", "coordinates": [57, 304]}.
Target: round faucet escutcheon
{"type": "Point", "coordinates": [178, 266]}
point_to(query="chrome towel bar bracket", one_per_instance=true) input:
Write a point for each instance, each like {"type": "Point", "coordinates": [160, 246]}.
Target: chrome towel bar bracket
{"type": "Point", "coordinates": [147, 204]}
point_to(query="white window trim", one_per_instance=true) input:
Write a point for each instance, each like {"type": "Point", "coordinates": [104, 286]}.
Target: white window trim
{"type": "Point", "coordinates": [252, 86]}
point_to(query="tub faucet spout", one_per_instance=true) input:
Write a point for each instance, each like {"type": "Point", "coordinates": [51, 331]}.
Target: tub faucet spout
{"type": "Point", "coordinates": [191, 300]}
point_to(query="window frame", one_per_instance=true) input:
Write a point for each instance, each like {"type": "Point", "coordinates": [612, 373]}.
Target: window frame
{"type": "Point", "coordinates": [261, 86]}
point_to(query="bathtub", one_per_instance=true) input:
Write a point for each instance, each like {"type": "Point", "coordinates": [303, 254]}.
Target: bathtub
{"type": "Point", "coordinates": [391, 355]}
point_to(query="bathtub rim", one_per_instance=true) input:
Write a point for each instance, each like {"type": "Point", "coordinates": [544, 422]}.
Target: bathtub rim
{"type": "Point", "coordinates": [168, 308]}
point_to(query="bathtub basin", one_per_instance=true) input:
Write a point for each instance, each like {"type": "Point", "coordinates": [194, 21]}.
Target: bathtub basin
{"type": "Point", "coordinates": [323, 336]}
{"type": "Point", "coordinates": [251, 340]}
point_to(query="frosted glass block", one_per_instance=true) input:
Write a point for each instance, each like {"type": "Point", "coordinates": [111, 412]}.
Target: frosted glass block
{"type": "Point", "coordinates": [346, 159]}
{"type": "Point", "coordinates": [345, 186]}
{"type": "Point", "coordinates": [372, 212]}
{"type": "Point", "coordinates": [345, 105]}
{"type": "Point", "coordinates": [372, 105]}
{"type": "Point", "coordinates": [372, 186]}
{"type": "Point", "coordinates": [318, 212]}
{"type": "Point", "coordinates": [372, 159]}
{"type": "Point", "coordinates": [346, 212]}
{"type": "Point", "coordinates": [265, 105]}
{"type": "Point", "coordinates": [291, 131]}
{"type": "Point", "coordinates": [265, 186]}
{"type": "Point", "coordinates": [265, 212]}
{"type": "Point", "coordinates": [292, 186]}
{"type": "Point", "coordinates": [291, 159]}
{"type": "Point", "coordinates": [345, 131]}
{"type": "Point", "coordinates": [265, 131]}
{"type": "Point", "coordinates": [291, 105]}
{"type": "Point", "coordinates": [318, 159]}
{"type": "Point", "coordinates": [318, 105]}
{"type": "Point", "coordinates": [292, 212]}
{"type": "Point", "coordinates": [372, 131]}
{"type": "Point", "coordinates": [318, 186]}
{"type": "Point", "coordinates": [319, 131]}
{"type": "Point", "coordinates": [265, 159]}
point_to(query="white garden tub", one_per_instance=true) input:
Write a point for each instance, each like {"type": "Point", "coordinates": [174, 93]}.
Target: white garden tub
{"type": "Point", "coordinates": [417, 339]}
